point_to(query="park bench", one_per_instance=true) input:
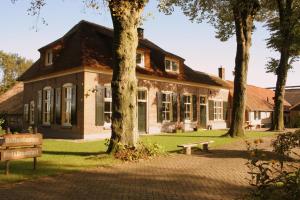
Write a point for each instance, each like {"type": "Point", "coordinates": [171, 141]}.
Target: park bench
{"type": "Point", "coordinates": [188, 147]}
{"type": "Point", "coordinates": [20, 146]}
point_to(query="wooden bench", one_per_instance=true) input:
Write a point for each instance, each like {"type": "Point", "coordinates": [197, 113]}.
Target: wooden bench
{"type": "Point", "coordinates": [188, 147]}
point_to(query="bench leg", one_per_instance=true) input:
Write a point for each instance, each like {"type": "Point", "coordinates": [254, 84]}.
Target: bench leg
{"type": "Point", "coordinates": [188, 151]}
{"type": "Point", "coordinates": [205, 147]}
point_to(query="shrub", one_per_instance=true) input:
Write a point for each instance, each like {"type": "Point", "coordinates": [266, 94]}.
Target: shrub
{"type": "Point", "coordinates": [142, 151]}
{"type": "Point", "coordinates": [275, 179]}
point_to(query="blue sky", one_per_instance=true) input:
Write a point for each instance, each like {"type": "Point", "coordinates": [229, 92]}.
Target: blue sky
{"type": "Point", "coordinates": [175, 33]}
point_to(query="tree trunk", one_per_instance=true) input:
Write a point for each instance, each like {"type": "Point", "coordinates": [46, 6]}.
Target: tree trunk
{"type": "Point", "coordinates": [125, 16]}
{"type": "Point", "coordinates": [243, 26]}
{"type": "Point", "coordinates": [278, 119]}
{"type": "Point", "coordinates": [285, 13]}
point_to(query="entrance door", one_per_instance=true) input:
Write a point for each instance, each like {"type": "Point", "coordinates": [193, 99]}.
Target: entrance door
{"type": "Point", "coordinates": [203, 117]}
{"type": "Point", "coordinates": [142, 111]}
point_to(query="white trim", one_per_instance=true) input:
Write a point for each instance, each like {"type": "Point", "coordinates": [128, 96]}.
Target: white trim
{"type": "Point", "coordinates": [174, 61]}
{"type": "Point", "coordinates": [142, 65]}
{"type": "Point", "coordinates": [147, 107]}
{"type": "Point", "coordinates": [139, 76]}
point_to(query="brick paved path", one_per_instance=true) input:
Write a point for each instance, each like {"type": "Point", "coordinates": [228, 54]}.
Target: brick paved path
{"type": "Point", "coordinates": [217, 175]}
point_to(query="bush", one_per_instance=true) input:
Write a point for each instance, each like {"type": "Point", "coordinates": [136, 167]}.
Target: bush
{"type": "Point", "coordinates": [142, 151]}
{"type": "Point", "coordinates": [275, 179]}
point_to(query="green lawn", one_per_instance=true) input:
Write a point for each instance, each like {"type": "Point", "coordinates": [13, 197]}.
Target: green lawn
{"type": "Point", "coordinates": [62, 156]}
{"type": "Point", "coordinates": [170, 141]}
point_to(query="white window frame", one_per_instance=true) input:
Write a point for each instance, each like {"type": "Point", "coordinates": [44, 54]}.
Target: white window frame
{"type": "Point", "coordinates": [172, 62]}
{"type": "Point", "coordinates": [186, 104]}
{"type": "Point", "coordinates": [107, 99]}
{"type": "Point", "coordinates": [31, 112]}
{"type": "Point", "coordinates": [142, 64]}
{"type": "Point", "coordinates": [67, 104]}
{"type": "Point", "coordinates": [47, 101]}
{"type": "Point", "coordinates": [218, 110]}
{"type": "Point", "coordinates": [49, 57]}
{"type": "Point", "coordinates": [164, 106]}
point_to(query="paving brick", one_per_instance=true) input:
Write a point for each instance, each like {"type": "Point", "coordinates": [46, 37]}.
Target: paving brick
{"type": "Point", "coordinates": [220, 174]}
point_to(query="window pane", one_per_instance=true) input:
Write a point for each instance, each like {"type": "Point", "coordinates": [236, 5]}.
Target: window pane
{"type": "Point", "coordinates": [107, 117]}
{"type": "Point", "coordinates": [168, 65]}
{"type": "Point", "coordinates": [174, 66]}
{"type": "Point", "coordinates": [107, 107]}
{"type": "Point", "coordinates": [107, 92]}
{"type": "Point", "coordinates": [138, 58]}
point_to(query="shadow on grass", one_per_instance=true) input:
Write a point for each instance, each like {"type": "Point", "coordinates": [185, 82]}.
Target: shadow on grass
{"type": "Point", "coordinates": [192, 136]}
{"type": "Point", "coordinates": [68, 153]}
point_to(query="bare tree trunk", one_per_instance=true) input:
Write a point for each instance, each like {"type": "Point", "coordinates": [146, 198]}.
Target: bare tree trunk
{"type": "Point", "coordinates": [278, 120]}
{"type": "Point", "coordinates": [285, 13]}
{"type": "Point", "coordinates": [125, 16]}
{"type": "Point", "coordinates": [244, 27]}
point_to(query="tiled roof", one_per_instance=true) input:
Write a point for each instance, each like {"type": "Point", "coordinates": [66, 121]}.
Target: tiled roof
{"type": "Point", "coordinates": [292, 96]}
{"type": "Point", "coordinates": [259, 99]}
{"type": "Point", "coordinates": [90, 45]}
{"type": "Point", "coordinates": [11, 102]}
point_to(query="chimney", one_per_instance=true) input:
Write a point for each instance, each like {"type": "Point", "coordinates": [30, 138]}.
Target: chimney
{"type": "Point", "coordinates": [140, 32]}
{"type": "Point", "coordinates": [222, 72]}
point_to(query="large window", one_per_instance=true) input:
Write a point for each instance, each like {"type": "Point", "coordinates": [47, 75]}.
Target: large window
{"type": "Point", "coordinates": [140, 59]}
{"type": "Point", "coordinates": [166, 106]}
{"type": "Point", "coordinates": [46, 105]}
{"type": "Point", "coordinates": [218, 110]}
{"type": "Point", "coordinates": [49, 57]}
{"type": "Point", "coordinates": [67, 104]}
{"type": "Point", "coordinates": [187, 107]}
{"type": "Point", "coordinates": [31, 113]}
{"type": "Point", "coordinates": [107, 104]}
{"type": "Point", "coordinates": [171, 65]}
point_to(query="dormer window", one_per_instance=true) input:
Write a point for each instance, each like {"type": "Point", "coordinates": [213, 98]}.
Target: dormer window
{"type": "Point", "coordinates": [49, 57]}
{"type": "Point", "coordinates": [140, 59]}
{"type": "Point", "coordinates": [171, 65]}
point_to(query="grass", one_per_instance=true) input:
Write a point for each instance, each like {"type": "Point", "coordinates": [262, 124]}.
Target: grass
{"type": "Point", "coordinates": [64, 156]}
{"type": "Point", "coordinates": [170, 141]}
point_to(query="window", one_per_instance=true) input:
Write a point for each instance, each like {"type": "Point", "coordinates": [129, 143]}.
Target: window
{"type": "Point", "coordinates": [202, 100]}
{"type": "Point", "coordinates": [218, 110]}
{"type": "Point", "coordinates": [166, 106]}
{"type": "Point", "coordinates": [140, 59]}
{"type": "Point", "coordinates": [257, 115]}
{"type": "Point", "coordinates": [107, 104]}
{"type": "Point", "coordinates": [49, 57]}
{"type": "Point", "coordinates": [187, 107]}
{"type": "Point", "coordinates": [171, 65]}
{"type": "Point", "coordinates": [31, 113]}
{"type": "Point", "coordinates": [26, 110]}
{"type": "Point", "coordinates": [142, 95]}
{"type": "Point", "coordinates": [46, 106]}
{"type": "Point", "coordinates": [67, 104]}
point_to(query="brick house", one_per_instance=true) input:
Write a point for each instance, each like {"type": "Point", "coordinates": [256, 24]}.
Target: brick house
{"type": "Point", "coordinates": [259, 106]}
{"type": "Point", "coordinates": [67, 90]}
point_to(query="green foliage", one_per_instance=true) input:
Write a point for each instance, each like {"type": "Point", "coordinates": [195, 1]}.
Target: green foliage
{"type": "Point", "coordinates": [219, 13]}
{"type": "Point", "coordinates": [284, 26]}
{"type": "Point", "coordinates": [142, 151]}
{"type": "Point", "coordinates": [275, 179]}
{"type": "Point", "coordinates": [12, 66]}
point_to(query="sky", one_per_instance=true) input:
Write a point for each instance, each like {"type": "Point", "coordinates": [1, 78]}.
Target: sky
{"type": "Point", "coordinates": [196, 43]}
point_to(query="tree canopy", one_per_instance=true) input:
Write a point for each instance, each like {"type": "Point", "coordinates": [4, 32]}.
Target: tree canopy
{"type": "Point", "coordinates": [11, 66]}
